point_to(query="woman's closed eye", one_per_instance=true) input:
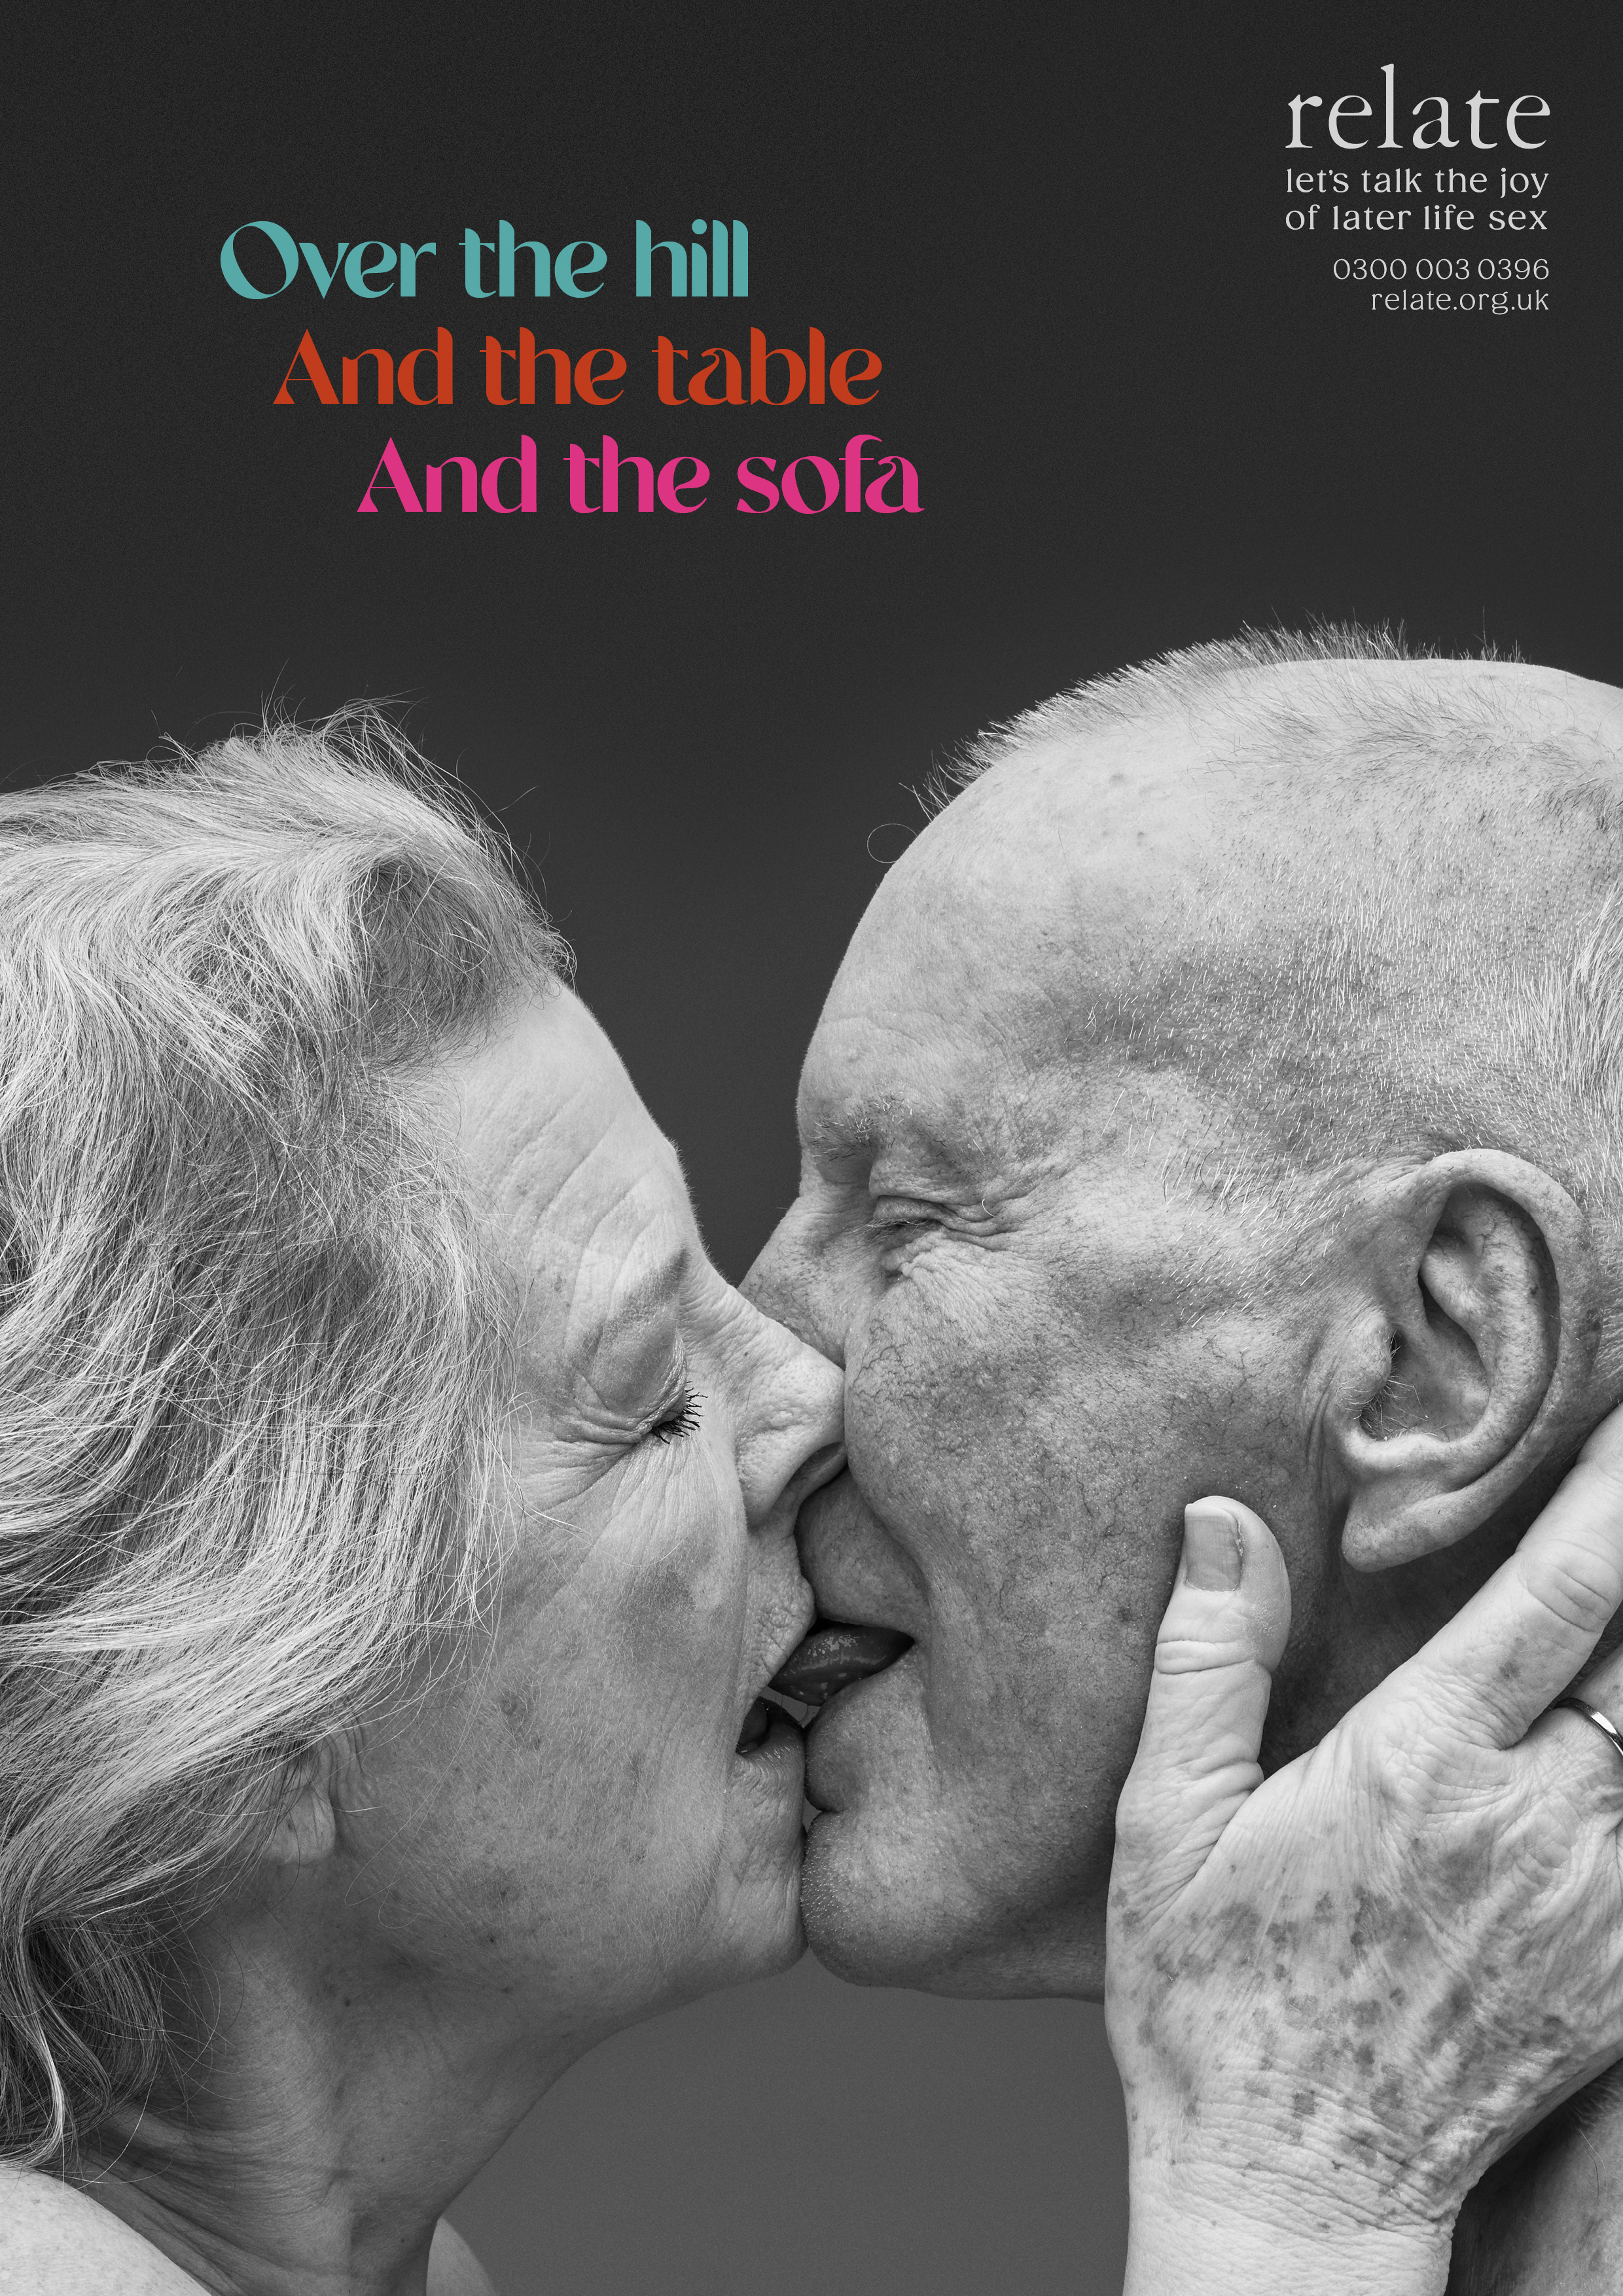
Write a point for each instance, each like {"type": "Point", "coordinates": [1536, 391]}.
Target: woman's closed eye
{"type": "Point", "coordinates": [680, 1420]}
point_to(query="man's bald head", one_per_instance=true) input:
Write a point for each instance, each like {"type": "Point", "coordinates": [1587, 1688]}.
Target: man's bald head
{"type": "Point", "coordinates": [1368, 904]}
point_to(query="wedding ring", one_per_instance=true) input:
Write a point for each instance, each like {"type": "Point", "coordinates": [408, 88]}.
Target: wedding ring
{"type": "Point", "coordinates": [1608, 1729]}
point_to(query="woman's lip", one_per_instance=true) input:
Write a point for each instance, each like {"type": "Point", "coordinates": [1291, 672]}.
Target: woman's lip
{"type": "Point", "coordinates": [758, 1721]}
{"type": "Point", "coordinates": [771, 1737]}
{"type": "Point", "coordinates": [834, 1656]}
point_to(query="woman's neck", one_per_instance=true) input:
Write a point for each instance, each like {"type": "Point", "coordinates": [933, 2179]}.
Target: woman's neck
{"type": "Point", "coordinates": [333, 2117]}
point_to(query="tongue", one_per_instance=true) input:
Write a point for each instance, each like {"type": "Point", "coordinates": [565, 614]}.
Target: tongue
{"type": "Point", "coordinates": [831, 1657]}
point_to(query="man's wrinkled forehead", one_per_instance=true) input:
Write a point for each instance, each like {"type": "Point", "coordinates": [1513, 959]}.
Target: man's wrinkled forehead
{"type": "Point", "coordinates": [993, 957]}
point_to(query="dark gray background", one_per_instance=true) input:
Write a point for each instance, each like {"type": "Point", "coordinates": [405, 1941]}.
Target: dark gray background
{"type": "Point", "coordinates": [1142, 414]}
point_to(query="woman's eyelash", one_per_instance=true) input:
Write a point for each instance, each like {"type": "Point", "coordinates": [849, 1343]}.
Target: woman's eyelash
{"type": "Point", "coordinates": [683, 1420]}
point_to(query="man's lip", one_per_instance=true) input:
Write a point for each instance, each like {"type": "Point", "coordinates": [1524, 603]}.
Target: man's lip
{"type": "Point", "coordinates": [834, 1656]}
{"type": "Point", "coordinates": [859, 1570]}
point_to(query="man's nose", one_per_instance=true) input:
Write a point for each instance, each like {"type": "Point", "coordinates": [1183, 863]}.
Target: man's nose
{"type": "Point", "coordinates": [766, 1285]}
{"type": "Point", "coordinates": [784, 1284]}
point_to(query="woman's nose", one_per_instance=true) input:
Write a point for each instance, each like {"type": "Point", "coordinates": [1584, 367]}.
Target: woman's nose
{"type": "Point", "coordinates": [795, 1436]}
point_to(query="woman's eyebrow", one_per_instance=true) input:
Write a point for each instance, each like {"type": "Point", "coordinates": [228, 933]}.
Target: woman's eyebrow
{"type": "Point", "coordinates": [632, 1297]}
{"type": "Point", "coordinates": [651, 1288]}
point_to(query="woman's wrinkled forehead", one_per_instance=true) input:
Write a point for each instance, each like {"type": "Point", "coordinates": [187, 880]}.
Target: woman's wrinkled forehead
{"type": "Point", "coordinates": [578, 1187]}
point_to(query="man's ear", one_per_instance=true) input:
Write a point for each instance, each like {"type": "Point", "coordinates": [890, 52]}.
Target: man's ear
{"type": "Point", "coordinates": [1472, 1352]}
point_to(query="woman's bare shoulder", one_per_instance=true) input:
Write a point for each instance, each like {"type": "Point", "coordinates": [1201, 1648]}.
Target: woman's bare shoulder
{"type": "Point", "coordinates": [56, 2241]}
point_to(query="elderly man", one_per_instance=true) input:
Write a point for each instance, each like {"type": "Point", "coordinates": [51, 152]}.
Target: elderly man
{"type": "Point", "coordinates": [1221, 1093]}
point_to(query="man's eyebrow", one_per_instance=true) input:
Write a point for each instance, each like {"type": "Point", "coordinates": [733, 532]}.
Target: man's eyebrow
{"type": "Point", "coordinates": [884, 1126]}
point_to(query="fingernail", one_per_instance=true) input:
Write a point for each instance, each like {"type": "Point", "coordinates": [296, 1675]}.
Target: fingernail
{"type": "Point", "coordinates": [1214, 1555]}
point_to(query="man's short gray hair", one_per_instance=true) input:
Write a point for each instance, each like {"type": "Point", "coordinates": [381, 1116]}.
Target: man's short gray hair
{"type": "Point", "coordinates": [253, 1362]}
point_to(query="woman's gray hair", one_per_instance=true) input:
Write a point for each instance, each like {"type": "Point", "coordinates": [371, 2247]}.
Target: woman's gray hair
{"type": "Point", "coordinates": [252, 1357]}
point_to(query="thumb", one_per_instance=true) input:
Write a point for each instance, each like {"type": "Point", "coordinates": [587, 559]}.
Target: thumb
{"type": "Point", "coordinates": [1222, 1636]}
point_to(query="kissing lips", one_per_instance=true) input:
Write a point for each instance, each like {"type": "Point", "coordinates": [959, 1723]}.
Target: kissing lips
{"type": "Point", "coordinates": [834, 1656]}
{"type": "Point", "coordinates": [831, 1658]}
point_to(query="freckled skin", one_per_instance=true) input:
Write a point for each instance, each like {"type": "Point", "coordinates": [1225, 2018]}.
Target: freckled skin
{"type": "Point", "coordinates": [1416, 2050]}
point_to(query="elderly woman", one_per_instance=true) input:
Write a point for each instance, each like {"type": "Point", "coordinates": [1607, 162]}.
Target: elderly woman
{"type": "Point", "coordinates": [396, 1531]}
